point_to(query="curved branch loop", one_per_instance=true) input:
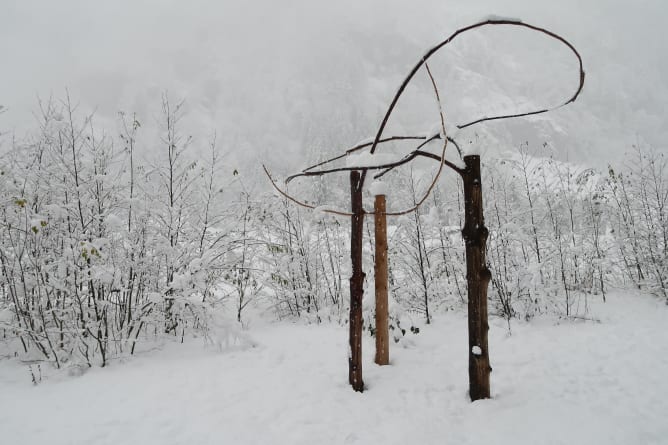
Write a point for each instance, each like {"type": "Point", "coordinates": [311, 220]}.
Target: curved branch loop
{"type": "Point", "coordinates": [434, 49]}
{"type": "Point", "coordinates": [378, 139]}
{"type": "Point", "coordinates": [295, 200]}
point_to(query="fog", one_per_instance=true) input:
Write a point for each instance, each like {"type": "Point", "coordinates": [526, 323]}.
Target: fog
{"type": "Point", "coordinates": [285, 82]}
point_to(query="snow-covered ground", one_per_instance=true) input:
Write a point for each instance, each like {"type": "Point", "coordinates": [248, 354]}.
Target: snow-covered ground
{"type": "Point", "coordinates": [554, 382]}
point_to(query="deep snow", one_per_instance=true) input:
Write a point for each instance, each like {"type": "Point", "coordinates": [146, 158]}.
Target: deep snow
{"type": "Point", "coordinates": [554, 382]}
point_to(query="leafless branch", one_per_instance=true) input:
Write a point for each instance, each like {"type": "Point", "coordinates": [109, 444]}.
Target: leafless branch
{"type": "Point", "coordinates": [434, 49]}
{"type": "Point", "coordinates": [361, 146]}
{"type": "Point", "coordinates": [295, 200]}
{"type": "Point", "coordinates": [441, 160]}
{"type": "Point", "coordinates": [387, 166]}
{"type": "Point", "coordinates": [426, 154]}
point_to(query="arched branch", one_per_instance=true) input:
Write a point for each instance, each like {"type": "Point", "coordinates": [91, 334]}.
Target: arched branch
{"type": "Point", "coordinates": [378, 139]}
{"type": "Point", "coordinates": [434, 49]}
{"type": "Point", "coordinates": [359, 147]}
{"type": "Point", "coordinates": [296, 201]}
{"type": "Point", "coordinates": [442, 160]}
{"type": "Point", "coordinates": [388, 166]}
{"type": "Point", "coordinates": [429, 155]}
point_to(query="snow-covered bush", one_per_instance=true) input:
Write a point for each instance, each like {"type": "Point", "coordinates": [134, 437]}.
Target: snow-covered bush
{"type": "Point", "coordinates": [99, 252]}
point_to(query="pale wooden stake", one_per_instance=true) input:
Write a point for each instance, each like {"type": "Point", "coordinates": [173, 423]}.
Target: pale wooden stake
{"type": "Point", "coordinates": [380, 271]}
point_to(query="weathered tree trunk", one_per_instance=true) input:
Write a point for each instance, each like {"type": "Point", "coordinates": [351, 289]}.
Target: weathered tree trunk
{"type": "Point", "coordinates": [478, 276]}
{"type": "Point", "coordinates": [380, 278]}
{"type": "Point", "coordinates": [356, 284]}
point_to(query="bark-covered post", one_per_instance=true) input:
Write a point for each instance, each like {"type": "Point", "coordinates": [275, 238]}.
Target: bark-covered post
{"type": "Point", "coordinates": [380, 272]}
{"type": "Point", "coordinates": [356, 283]}
{"type": "Point", "coordinates": [478, 277]}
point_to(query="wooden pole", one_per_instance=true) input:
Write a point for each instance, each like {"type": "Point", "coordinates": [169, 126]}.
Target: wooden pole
{"type": "Point", "coordinates": [380, 278]}
{"type": "Point", "coordinates": [356, 284]}
{"type": "Point", "coordinates": [478, 277]}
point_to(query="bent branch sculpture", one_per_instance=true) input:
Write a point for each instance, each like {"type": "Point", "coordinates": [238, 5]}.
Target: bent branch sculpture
{"type": "Point", "coordinates": [474, 231]}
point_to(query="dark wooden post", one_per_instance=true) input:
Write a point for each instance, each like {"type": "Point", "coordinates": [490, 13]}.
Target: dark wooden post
{"type": "Point", "coordinates": [380, 278]}
{"type": "Point", "coordinates": [478, 277]}
{"type": "Point", "coordinates": [356, 284]}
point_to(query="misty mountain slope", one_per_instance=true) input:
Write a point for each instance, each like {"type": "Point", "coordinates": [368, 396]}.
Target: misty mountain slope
{"type": "Point", "coordinates": [281, 83]}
